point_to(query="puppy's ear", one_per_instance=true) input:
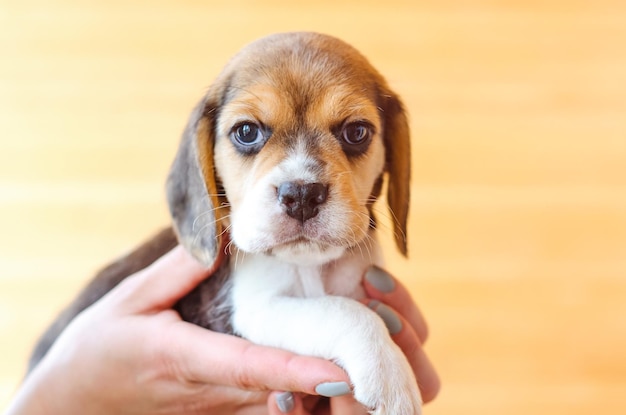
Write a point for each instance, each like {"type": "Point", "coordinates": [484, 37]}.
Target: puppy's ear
{"type": "Point", "coordinates": [398, 165]}
{"type": "Point", "coordinates": [192, 190]}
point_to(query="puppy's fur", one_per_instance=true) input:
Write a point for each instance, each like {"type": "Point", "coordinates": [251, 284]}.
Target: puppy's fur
{"type": "Point", "coordinates": [284, 157]}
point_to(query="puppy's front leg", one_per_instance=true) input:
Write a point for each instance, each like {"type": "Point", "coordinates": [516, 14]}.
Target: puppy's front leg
{"type": "Point", "coordinates": [339, 329]}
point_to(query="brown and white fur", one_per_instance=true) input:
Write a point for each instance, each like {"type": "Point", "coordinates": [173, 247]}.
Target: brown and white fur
{"type": "Point", "coordinates": [280, 164]}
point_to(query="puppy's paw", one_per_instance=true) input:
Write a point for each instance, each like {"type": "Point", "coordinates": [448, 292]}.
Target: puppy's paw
{"type": "Point", "coordinates": [388, 386]}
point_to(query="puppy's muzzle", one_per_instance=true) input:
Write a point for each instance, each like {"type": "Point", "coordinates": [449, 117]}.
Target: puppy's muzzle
{"type": "Point", "coordinates": [302, 201]}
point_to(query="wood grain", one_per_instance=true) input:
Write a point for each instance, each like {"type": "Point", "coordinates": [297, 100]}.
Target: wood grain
{"type": "Point", "coordinates": [518, 220]}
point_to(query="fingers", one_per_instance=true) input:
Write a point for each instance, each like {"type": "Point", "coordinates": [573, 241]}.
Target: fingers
{"type": "Point", "coordinates": [210, 357]}
{"type": "Point", "coordinates": [381, 286]}
{"type": "Point", "coordinates": [280, 403]}
{"type": "Point", "coordinates": [405, 324]}
{"type": "Point", "coordinates": [406, 338]}
{"type": "Point", "coordinates": [162, 284]}
{"type": "Point", "coordinates": [346, 405]}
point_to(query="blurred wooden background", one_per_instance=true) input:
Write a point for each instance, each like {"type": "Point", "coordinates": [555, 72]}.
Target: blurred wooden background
{"type": "Point", "coordinates": [518, 222]}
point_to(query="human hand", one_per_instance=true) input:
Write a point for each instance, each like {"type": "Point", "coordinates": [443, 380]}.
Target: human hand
{"type": "Point", "coordinates": [131, 353]}
{"type": "Point", "coordinates": [391, 300]}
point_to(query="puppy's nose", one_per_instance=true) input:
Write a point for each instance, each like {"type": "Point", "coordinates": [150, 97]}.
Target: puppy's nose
{"type": "Point", "coordinates": [301, 201]}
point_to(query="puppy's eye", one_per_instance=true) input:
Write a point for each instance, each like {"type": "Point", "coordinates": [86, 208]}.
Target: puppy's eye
{"type": "Point", "coordinates": [249, 137]}
{"type": "Point", "coordinates": [355, 137]}
{"type": "Point", "coordinates": [248, 134]}
{"type": "Point", "coordinates": [356, 133]}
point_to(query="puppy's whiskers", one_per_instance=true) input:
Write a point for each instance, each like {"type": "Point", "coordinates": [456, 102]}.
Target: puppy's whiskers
{"type": "Point", "coordinates": [397, 228]}
{"type": "Point", "coordinates": [209, 227]}
{"type": "Point", "coordinates": [228, 249]}
{"type": "Point", "coordinates": [238, 259]}
{"type": "Point", "coordinates": [204, 214]}
{"type": "Point", "coordinates": [387, 221]}
{"type": "Point", "coordinates": [369, 242]}
{"type": "Point", "coordinates": [226, 229]}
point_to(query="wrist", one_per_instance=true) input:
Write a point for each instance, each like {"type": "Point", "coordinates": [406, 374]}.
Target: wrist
{"type": "Point", "coordinates": [43, 393]}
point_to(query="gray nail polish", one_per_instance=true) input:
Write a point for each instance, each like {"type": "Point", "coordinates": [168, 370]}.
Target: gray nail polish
{"type": "Point", "coordinates": [391, 319]}
{"type": "Point", "coordinates": [332, 389]}
{"type": "Point", "coordinates": [380, 279]}
{"type": "Point", "coordinates": [285, 402]}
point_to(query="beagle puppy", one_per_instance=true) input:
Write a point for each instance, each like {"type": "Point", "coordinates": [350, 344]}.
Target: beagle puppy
{"type": "Point", "coordinates": [280, 165]}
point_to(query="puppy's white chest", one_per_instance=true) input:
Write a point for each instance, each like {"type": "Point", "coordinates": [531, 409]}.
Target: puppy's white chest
{"type": "Point", "coordinates": [308, 282]}
{"type": "Point", "coordinates": [302, 308]}
{"type": "Point", "coordinates": [260, 276]}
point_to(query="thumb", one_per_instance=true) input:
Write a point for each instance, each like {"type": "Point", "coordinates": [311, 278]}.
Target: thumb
{"type": "Point", "coordinates": [160, 285]}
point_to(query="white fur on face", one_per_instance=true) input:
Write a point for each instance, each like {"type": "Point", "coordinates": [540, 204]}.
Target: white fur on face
{"type": "Point", "coordinates": [260, 225]}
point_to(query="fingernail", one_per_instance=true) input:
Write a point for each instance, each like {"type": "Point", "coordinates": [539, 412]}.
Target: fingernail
{"type": "Point", "coordinates": [332, 389]}
{"type": "Point", "coordinates": [390, 318]}
{"type": "Point", "coordinates": [380, 279]}
{"type": "Point", "coordinates": [285, 402]}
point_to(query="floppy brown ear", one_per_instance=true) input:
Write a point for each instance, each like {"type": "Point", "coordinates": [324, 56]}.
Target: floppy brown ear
{"type": "Point", "coordinates": [398, 165]}
{"type": "Point", "coordinates": [192, 190]}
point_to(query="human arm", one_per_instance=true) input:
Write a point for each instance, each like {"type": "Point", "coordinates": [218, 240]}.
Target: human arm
{"type": "Point", "coordinates": [131, 353]}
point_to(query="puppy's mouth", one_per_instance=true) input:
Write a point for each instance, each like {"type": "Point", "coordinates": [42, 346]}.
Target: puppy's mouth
{"type": "Point", "coordinates": [296, 241]}
{"type": "Point", "coordinates": [303, 250]}
{"type": "Point", "coordinates": [315, 233]}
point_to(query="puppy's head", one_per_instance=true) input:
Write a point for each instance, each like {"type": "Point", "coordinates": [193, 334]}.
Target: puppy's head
{"type": "Point", "coordinates": [287, 153]}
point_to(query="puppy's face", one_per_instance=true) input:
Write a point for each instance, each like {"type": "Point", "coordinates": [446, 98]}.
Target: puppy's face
{"type": "Point", "coordinates": [298, 150]}
{"type": "Point", "coordinates": [300, 141]}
